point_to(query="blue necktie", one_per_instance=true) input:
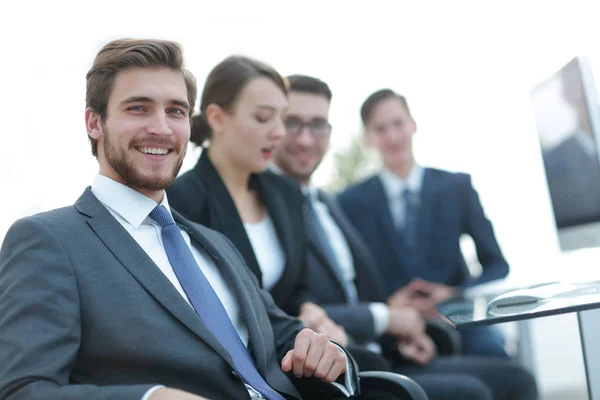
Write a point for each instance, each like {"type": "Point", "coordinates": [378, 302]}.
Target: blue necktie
{"type": "Point", "coordinates": [206, 302]}
{"type": "Point", "coordinates": [411, 209]}
{"type": "Point", "coordinates": [316, 229]}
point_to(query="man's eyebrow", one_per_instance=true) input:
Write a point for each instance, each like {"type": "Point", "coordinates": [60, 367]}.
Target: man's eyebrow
{"type": "Point", "coordinates": [146, 99]}
{"type": "Point", "coordinates": [180, 103]}
{"type": "Point", "coordinates": [137, 99]}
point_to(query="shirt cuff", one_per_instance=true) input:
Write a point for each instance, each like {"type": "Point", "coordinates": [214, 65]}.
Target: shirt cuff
{"type": "Point", "coordinates": [381, 317]}
{"type": "Point", "coordinates": [150, 391]}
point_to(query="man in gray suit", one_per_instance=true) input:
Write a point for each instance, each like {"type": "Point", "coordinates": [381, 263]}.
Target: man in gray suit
{"type": "Point", "coordinates": [119, 297]}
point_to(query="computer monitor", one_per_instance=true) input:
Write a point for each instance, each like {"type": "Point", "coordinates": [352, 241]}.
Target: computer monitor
{"type": "Point", "coordinates": [567, 115]}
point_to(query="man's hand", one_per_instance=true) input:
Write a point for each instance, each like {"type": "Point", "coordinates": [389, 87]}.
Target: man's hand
{"type": "Point", "coordinates": [314, 355]}
{"type": "Point", "coordinates": [173, 394]}
{"type": "Point", "coordinates": [405, 323]}
{"type": "Point", "coordinates": [312, 315]}
{"type": "Point", "coordinates": [334, 331]}
{"type": "Point", "coordinates": [435, 293]}
{"type": "Point", "coordinates": [420, 349]}
{"type": "Point", "coordinates": [401, 298]}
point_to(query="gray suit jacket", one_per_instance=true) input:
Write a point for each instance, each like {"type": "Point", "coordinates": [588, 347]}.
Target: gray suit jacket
{"type": "Point", "coordinates": [86, 314]}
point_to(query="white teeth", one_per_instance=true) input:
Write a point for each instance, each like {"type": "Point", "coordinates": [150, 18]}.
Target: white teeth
{"type": "Point", "coordinates": [153, 150]}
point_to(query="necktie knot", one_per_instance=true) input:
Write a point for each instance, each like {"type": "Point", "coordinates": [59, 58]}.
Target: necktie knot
{"type": "Point", "coordinates": [410, 198]}
{"type": "Point", "coordinates": [162, 216]}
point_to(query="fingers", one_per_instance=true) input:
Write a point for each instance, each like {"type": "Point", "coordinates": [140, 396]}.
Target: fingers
{"type": "Point", "coordinates": [420, 350]}
{"type": "Point", "coordinates": [286, 363]}
{"type": "Point", "coordinates": [408, 349]}
{"type": "Point", "coordinates": [423, 305]}
{"type": "Point", "coordinates": [311, 315]}
{"type": "Point", "coordinates": [338, 366]}
{"type": "Point", "coordinates": [314, 356]}
{"type": "Point", "coordinates": [316, 351]}
{"type": "Point", "coordinates": [334, 331]}
{"type": "Point", "coordinates": [428, 346]}
{"type": "Point", "coordinates": [300, 351]}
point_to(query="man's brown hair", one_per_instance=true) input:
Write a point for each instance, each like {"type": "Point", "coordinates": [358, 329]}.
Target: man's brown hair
{"type": "Point", "coordinates": [122, 54]}
{"type": "Point", "coordinates": [373, 100]}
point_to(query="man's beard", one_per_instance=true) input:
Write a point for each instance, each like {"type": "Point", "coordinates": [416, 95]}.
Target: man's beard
{"type": "Point", "coordinates": [130, 175]}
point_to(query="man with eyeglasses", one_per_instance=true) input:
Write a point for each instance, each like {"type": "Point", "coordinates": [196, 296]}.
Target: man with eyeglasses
{"type": "Point", "coordinates": [344, 279]}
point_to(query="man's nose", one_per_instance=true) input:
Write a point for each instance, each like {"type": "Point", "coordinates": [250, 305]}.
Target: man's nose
{"type": "Point", "coordinates": [159, 125]}
{"type": "Point", "coordinates": [305, 136]}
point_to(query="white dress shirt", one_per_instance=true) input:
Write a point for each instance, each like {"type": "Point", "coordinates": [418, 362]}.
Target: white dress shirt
{"type": "Point", "coordinates": [131, 209]}
{"type": "Point", "coordinates": [344, 257]}
{"type": "Point", "coordinates": [267, 249]}
{"type": "Point", "coordinates": [393, 187]}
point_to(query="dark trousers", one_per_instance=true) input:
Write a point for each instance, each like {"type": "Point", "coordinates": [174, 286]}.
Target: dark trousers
{"type": "Point", "coordinates": [473, 378]}
{"type": "Point", "coordinates": [454, 377]}
{"type": "Point", "coordinates": [483, 341]}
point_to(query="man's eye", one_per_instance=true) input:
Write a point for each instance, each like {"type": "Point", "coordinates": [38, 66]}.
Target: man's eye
{"type": "Point", "coordinates": [292, 123]}
{"type": "Point", "coordinates": [177, 111]}
{"type": "Point", "coordinates": [136, 108]}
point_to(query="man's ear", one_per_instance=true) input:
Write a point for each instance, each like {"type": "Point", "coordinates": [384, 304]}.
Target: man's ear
{"type": "Point", "coordinates": [93, 124]}
{"type": "Point", "coordinates": [215, 117]}
{"type": "Point", "coordinates": [413, 126]}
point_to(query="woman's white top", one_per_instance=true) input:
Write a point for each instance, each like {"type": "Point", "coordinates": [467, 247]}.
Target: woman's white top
{"type": "Point", "coordinates": [267, 249]}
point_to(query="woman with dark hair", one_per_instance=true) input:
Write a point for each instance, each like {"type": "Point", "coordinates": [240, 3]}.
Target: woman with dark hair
{"type": "Point", "coordinates": [229, 190]}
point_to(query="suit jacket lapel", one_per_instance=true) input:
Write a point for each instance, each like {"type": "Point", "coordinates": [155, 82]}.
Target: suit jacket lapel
{"type": "Point", "coordinates": [223, 214]}
{"type": "Point", "coordinates": [318, 251]}
{"type": "Point", "coordinates": [335, 212]}
{"type": "Point", "coordinates": [141, 266]}
{"type": "Point", "coordinates": [239, 287]}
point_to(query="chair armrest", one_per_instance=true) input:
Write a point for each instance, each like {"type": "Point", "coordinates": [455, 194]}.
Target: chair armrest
{"type": "Point", "coordinates": [399, 385]}
{"type": "Point", "coordinates": [446, 338]}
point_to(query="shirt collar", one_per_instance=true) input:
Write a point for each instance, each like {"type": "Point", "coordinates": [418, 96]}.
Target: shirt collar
{"type": "Point", "coordinates": [131, 205]}
{"type": "Point", "coordinates": [311, 192]}
{"type": "Point", "coordinates": [394, 185]}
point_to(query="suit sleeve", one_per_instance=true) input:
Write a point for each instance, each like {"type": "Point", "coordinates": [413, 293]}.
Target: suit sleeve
{"type": "Point", "coordinates": [479, 227]}
{"type": "Point", "coordinates": [356, 319]}
{"type": "Point", "coordinates": [40, 324]}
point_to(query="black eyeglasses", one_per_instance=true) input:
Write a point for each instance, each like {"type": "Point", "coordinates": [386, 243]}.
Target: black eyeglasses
{"type": "Point", "coordinates": [317, 128]}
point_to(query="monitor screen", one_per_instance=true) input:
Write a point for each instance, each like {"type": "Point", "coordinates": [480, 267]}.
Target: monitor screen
{"type": "Point", "coordinates": [566, 114]}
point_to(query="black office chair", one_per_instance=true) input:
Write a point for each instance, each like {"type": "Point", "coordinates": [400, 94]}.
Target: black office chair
{"type": "Point", "coordinates": [446, 338]}
{"type": "Point", "coordinates": [396, 384]}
